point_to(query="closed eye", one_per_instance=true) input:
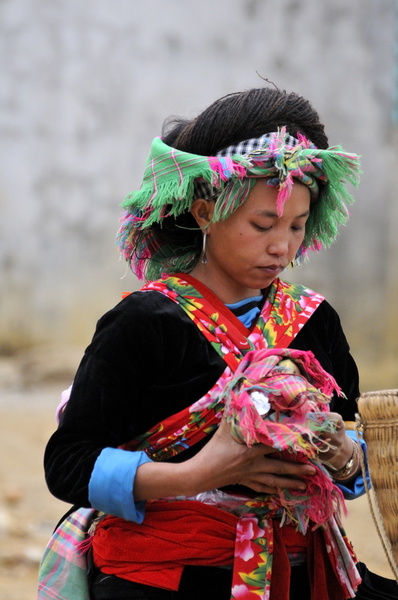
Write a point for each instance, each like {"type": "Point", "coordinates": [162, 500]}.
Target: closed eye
{"type": "Point", "coordinates": [261, 228]}
{"type": "Point", "coordinates": [300, 222]}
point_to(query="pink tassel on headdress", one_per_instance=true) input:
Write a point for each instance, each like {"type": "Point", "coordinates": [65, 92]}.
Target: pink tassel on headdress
{"type": "Point", "coordinates": [285, 189]}
{"type": "Point", "coordinates": [225, 168]}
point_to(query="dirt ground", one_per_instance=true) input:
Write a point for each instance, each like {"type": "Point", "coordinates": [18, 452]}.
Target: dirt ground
{"type": "Point", "coordinates": [28, 512]}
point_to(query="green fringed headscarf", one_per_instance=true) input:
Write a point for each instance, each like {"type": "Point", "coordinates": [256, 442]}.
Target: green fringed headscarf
{"type": "Point", "coordinates": [173, 179]}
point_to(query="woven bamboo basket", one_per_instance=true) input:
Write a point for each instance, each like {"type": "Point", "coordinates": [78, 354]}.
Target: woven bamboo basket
{"type": "Point", "coordinates": [378, 421]}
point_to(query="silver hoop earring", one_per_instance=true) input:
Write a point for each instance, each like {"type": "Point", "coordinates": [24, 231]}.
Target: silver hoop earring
{"type": "Point", "coordinates": [204, 254]}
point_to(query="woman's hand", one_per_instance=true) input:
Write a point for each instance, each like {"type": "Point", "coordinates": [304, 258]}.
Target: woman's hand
{"type": "Point", "coordinates": [221, 462]}
{"type": "Point", "coordinates": [341, 448]}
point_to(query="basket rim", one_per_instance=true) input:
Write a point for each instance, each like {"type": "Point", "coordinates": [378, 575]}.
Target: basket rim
{"type": "Point", "coordinates": [389, 392]}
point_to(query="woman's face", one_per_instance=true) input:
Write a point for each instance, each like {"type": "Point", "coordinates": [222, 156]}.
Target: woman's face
{"type": "Point", "coordinates": [246, 251]}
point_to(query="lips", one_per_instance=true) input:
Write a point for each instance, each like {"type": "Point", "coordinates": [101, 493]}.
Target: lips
{"type": "Point", "coordinates": [273, 269]}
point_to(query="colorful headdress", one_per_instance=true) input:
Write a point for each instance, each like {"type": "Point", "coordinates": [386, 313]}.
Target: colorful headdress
{"type": "Point", "coordinates": [173, 179]}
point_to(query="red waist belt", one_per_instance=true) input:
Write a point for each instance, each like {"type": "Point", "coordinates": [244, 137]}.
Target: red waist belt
{"type": "Point", "coordinates": [179, 533]}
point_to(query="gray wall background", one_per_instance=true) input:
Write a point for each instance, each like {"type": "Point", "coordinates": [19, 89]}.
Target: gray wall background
{"type": "Point", "coordinates": [85, 86]}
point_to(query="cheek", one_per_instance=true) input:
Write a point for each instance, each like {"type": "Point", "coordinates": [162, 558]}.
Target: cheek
{"type": "Point", "coordinates": [301, 237]}
{"type": "Point", "coordinates": [296, 243]}
{"type": "Point", "coordinates": [237, 238]}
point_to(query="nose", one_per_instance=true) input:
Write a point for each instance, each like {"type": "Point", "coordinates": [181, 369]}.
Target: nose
{"type": "Point", "coordinates": [278, 245]}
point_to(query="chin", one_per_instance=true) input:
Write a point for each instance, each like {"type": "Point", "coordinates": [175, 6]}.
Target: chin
{"type": "Point", "coordinates": [264, 282]}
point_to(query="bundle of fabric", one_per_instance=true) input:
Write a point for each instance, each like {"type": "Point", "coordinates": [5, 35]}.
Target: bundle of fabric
{"type": "Point", "coordinates": [280, 398]}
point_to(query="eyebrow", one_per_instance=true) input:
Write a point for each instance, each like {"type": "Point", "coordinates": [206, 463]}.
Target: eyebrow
{"type": "Point", "coordinates": [269, 213]}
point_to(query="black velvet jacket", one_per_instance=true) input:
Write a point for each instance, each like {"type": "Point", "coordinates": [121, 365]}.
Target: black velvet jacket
{"type": "Point", "coordinates": [148, 360]}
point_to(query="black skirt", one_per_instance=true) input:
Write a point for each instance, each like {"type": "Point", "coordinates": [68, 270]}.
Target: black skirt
{"type": "Point", "coordinates": [214, 583]}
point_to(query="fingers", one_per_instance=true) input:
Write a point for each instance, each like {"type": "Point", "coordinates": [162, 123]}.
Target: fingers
{"type": "Point", "coordinates": [340, 449]}
{"type": "Point", "coordinates": [227, 462]}
{"type": "Point", "coordinates": [286, 468]}
{"type": "Point", "coordinates": [337, 420]}
{"type": "Point", "coordinates": [332, 439]}
{"type": "Point", "coordinates": [273, 474]}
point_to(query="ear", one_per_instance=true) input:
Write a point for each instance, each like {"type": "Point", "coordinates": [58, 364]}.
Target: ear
{"type": "Point", "coordinates": [202, 211]}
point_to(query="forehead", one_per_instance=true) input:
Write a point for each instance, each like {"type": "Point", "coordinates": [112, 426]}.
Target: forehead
{"type": "Point", "coordinates": [264, 199]}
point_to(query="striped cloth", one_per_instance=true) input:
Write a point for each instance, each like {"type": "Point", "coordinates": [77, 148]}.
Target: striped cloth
{"type": "Point", "coordinates": [63, 570]}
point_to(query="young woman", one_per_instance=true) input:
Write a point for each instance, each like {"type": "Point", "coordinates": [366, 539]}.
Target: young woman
{"type": "Point", "coordinates": [191, 503]}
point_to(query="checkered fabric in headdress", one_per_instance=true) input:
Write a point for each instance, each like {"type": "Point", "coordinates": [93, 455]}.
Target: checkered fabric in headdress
{"type": "Point", "coordinates": [245, 148]}
{"type": "Point", "coordinates": [173, 179]}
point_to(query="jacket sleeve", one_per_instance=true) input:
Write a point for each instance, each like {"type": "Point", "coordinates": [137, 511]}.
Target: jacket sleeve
{"type": "Point", "coordinates": [147, 360]}
{"type": "Point", "coordinates": [101, 414]}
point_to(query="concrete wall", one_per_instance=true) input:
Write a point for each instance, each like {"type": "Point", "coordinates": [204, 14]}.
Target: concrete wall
{"type": "Point", "coordinates": [85, 86]}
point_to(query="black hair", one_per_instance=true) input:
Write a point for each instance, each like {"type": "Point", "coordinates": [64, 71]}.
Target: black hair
{"type": "Point", "coordinates": [244, 115]}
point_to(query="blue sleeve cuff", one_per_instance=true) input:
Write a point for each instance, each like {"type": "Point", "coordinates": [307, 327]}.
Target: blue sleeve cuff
{"type": "Point", "coordinates": [355, 488]}
{"type": "Point", "coordinates": [112, 481]}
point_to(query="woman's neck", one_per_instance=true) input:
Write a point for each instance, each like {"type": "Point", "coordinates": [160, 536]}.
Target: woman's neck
{"type": "Point", "coordinates": [226, 291]}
